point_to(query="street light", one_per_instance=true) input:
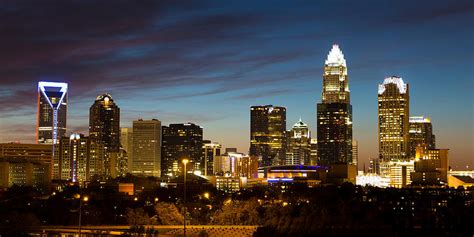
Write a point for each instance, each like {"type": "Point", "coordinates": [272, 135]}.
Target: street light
{"type": "Point", "coordinates": [81, 199]}
{"type": "Point", "coordinates": [206, 195]}
{"type": "Point", "coordinates": [185, 162]}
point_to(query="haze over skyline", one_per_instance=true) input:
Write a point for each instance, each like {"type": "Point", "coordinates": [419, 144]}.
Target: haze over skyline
{"type": "Point", "coordinates": [207, 62]}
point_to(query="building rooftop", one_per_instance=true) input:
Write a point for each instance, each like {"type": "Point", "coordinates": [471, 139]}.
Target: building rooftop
{"type": "Point", "coordinates": [398, 81]}
{"type": "Point", "coordinates": [335, 57]}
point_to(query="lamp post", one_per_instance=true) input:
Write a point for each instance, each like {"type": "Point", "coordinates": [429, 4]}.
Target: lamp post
{"type": "Point", "coordinates": [185, 161]}
{"type": "Point", "coordinates": [81, 199]}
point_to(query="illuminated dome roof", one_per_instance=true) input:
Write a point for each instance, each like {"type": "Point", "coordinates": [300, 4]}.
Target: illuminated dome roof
{"type": "Point", "coordinates": [335, 57]}
{"type": "Point", "coordinates": [103, 96]}
{"type": "Point", "coordinates": [402, 87]}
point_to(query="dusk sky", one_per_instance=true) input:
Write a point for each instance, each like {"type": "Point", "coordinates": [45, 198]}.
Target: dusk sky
{"type": "Point", "coordinates": [207, 62]}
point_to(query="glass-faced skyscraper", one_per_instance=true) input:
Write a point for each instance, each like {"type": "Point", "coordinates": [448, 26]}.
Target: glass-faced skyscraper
{"type": "Point", "coordinates": [334, 113]}
{"type": "Point", "coordinates": [182, 141]}
{"type": "Point", "coordinates": [393, 110]}
{"type": "Point", "coordinates": [52, 111]}
{"type": "Point", "coordinates": [104, 122]}
{"type": "Point", "coordinates": [267, 134]}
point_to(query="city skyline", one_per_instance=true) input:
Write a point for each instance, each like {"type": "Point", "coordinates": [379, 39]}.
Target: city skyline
{"type": "Point", "coordinates": [217, 95]}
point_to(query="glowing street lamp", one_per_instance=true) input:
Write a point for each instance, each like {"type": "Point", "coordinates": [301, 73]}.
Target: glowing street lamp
{"type": "Point", "coordinates": [185, 162]}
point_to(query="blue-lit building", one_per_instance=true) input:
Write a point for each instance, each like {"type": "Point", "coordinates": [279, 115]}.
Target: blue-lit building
{"type": "Point", "coordinates": [289, 174]}
{"type": "Point", "coordinates": [52, 111]}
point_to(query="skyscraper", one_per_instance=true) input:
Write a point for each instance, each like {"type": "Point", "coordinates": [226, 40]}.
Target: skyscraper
{"type": "Point", "coordinates": [52, 112]}
{"type": "Point", "coordinates": [104, 122]}
{"type": "Point", "coordinates": [421, 134]}
{"type": "Point", "coordinates": [298, 150]}
{"type": "Point", "coordinates": [267, 134]}
{"type": "Point", "coordinates": [182, 141]}
{"type": "Point", "coordinates": [211, 150]}
{"type": "Point", "coordinates": [146, 155]}
{"type": "Point", "coordinates": [393, 112]}
{"type": "Point", "coordinates": [394, 145]}
{"type": "Point", "coordinates": [334, 113]}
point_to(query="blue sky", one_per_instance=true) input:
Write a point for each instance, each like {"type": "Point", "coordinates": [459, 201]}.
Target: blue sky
{"type": "Point", "coordinates": [208, 61]}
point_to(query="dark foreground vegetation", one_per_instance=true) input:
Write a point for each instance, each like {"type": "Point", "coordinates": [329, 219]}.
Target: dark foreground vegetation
{"type": "Point", "coordinates": [345, 210]}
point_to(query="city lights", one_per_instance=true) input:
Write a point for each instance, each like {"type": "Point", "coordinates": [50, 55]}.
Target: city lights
{"type": "Point", "coordinates": [164, 118]}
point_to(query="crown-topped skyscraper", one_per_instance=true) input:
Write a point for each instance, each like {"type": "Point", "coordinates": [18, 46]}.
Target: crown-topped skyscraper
{"type": "Point", "coordinates": [334, 113]}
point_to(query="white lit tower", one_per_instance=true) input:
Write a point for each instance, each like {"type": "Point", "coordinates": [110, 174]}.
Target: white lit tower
{"type": "Point", "coordinates": [334, 113]}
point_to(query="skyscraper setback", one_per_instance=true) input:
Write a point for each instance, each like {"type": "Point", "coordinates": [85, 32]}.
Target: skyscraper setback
{"type": "Point", "coordinates": [334, 113]}
{"type": "Point", "coordinates": [104, 122]}
{"type": "Point", "coordinates": [267, 134]}
{"type": "Point", "coordinates": [52, 112]}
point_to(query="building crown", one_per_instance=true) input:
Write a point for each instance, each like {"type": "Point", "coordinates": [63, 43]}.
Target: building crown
{"type": "Point", "coordinates": [335, 57]}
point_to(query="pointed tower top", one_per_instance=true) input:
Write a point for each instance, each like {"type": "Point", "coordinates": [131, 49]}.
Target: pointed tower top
{"type": "Point", "coordinates": [335, 57]}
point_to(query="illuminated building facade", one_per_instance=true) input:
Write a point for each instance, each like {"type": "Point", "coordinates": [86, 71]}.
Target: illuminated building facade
{"type": "Point", "coordinates": [36, 152]}
{"type": "Point", "coordinates": [146, 155]}
{"type": "Point", "coordinates": [421, 133]}
{"type": "Point", "coordinates": [104, 122]}
{"type": "Point", "coordinates": [235, 164]}
{"type": "Point", "coordinates": [298, 150]}
{"type": "Point", "coordinates": [284, 175]}
{"type": "Point", "coordinates": [334, 113]}
{"type": "Point", "coordinates": [431, 166]}
{"type": "Point", "coordinates": [355, 152]}
{"type": "Point", "coordinates": [211, 150]}
{"type": "Point", "coordinates": [313, 155]}
{"type": "Point", "coordinates": [182, 141]}
{"type": "Point", "coordinates": [267, 134]}
{"type": "Point", "coordinates": [79, 158]}
{"type": "Point", "coordinates": [393, 117]}
{"type": "Point", "coordinates": [23, 171]}
{"type": "Point", "coordinates": [393, 131]}
{"type": "Point", "coordinates": [126, 141]}
{"type": "Point", "coordinates": [399, 172]}
{"type": "Point", "coordinates": [52, 111]}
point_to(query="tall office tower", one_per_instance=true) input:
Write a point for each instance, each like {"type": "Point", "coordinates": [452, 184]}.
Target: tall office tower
{"type": "Point", "coordinates": [421, 134]}
{"type": "Point", "coordinates": [104, 122]}
{"type": "Point", "coordinates": [52, 111]}
{"type": "Point", "coordinates": [126, 140]}
{"type": "Point", "coordinates": [79, 158]}
{"type": "Point", "coordinates": [334, 113]}
{"type": "Point", "coordinates": [146, 153]}
{"type": "Point", "coordinates": [267, 134]}
{"type": "Point", "coordinates": [182, 141]}
{"type": "Point", "coordinates": [355, 152]}
{"type": "Point", "coordinates": [394, 145]}
{"type": "Point", "coordinates": [298, 150]}
{"type": "Point", "coordinates": [211, 150]}
{"type": "Point", "coordinates": [393, 111]}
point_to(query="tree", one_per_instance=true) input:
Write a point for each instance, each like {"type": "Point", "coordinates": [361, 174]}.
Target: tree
{"type": "Point", "coordinates": [168, 214]}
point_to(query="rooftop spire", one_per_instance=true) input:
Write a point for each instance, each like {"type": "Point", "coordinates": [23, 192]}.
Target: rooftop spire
{"type": "Point", "coordinates": [335, 57]}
